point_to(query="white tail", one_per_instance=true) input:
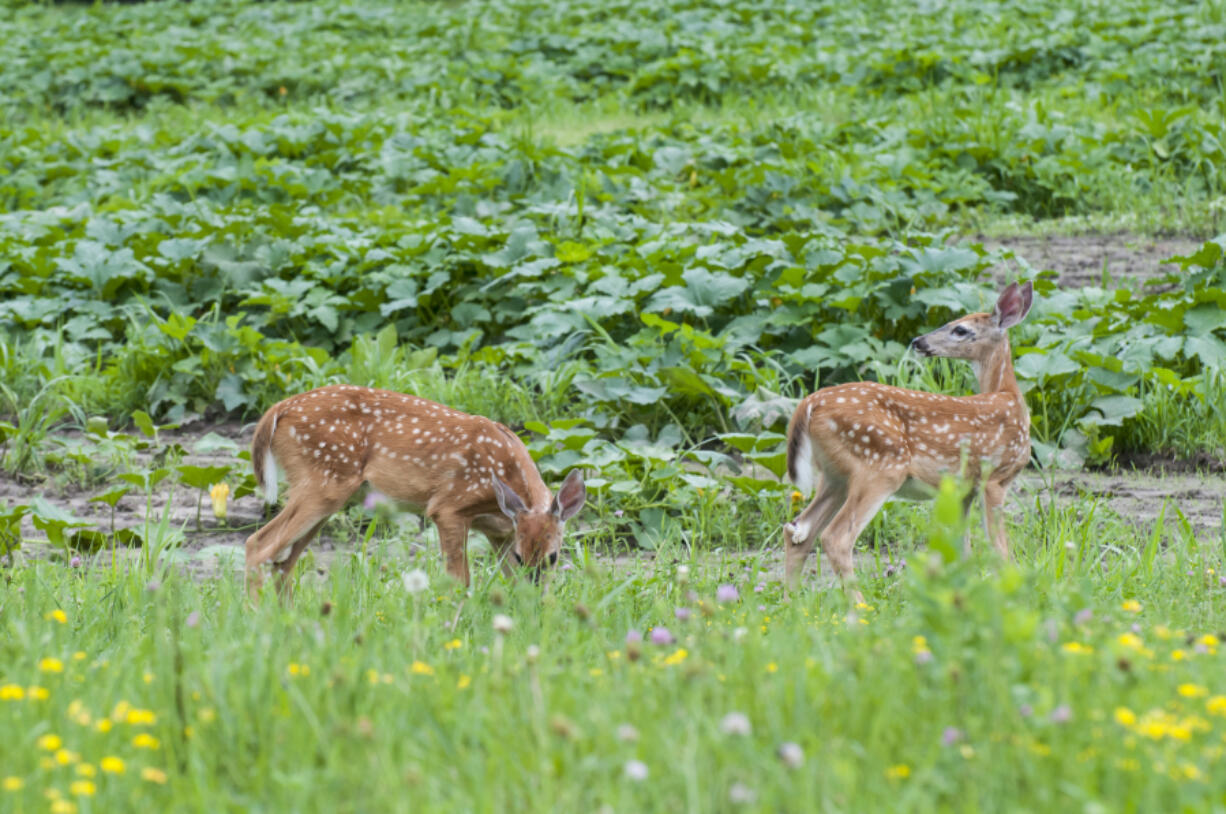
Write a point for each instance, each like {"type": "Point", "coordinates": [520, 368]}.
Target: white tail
{"type": "Point", "coordinates": [462, 471]}
{"type": "Point", "coordinates": [870, 441]}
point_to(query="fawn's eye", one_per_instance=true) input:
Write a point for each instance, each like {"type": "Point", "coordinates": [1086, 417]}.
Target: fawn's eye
{"type": "Point", "coordinates": [960, 330]}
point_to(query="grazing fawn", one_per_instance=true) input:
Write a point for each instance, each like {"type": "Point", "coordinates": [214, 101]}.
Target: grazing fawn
{"type": "Point", "coordinates": [462, 471]}
{"type": "Point", "coordinates": [870, 441]}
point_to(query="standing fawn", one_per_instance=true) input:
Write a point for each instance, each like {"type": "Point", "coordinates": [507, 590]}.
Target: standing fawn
{"type": "Point", "coordinates": [462, 471]}
{"type": "Point", "coordinates": [870, 441]}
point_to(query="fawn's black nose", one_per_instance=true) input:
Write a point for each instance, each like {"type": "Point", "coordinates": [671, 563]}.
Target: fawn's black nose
{"type": "Point", "coordinates": [920, 346]}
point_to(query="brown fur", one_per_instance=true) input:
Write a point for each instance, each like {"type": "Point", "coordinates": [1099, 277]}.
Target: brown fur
{"type": "Point", "coordinates": [429, 458]}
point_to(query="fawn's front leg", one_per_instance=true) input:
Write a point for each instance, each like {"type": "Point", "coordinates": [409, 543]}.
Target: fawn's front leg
{"type": "Point", "coordinates": [453, 540]}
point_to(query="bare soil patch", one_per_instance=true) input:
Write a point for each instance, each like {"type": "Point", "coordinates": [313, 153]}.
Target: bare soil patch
{"type": "Point", "coordinates": [1095, 259]}
{"type": "Point", "coordinates": [216, 546]}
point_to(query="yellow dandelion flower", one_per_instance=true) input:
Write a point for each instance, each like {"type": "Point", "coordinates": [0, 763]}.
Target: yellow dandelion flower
{"type": "Point", "coordinates": [595, 671]}
{"type": "Point", "coordinates": [454, 644]}
{"type": "Point", "coordinates": [79, 656]}
{"type": "Point", "coordinates": [146, 741]}
{"type": "Point", "coordinates": [147, 677]}
{"type": "Point", "coordinates": [613, 655]}
{"type": "Point", "coordinates": [1131, 641]}
{"type": "Point", "coordinates": [112, 765]}
{"type": "Point", "coordinates": [1216, 705]}
{"type": "Point", "coordinates": [141, 717]}
{"type": "Point", "coordinates": [63, 807]}
{"type": "Point", "coordinates": [11, 692]}
{"type": "Point", "coordinates": [1178, 655]}
{"type": "Point", "coordinates": [296, 669]}
{"type": "Point", "coordinates": [153, 775]}
{"type": "Point", "coordinates": [1131, 606]}
{"type": "Point", "coordinates": [12, 783]}
{"type": "Point", "coordinates": [1188, 772]}
{"type": "Point", "coordinates": [219, 493]}
{"type": "Point", "coordinates": [463, 682]}
{"type": "Point", "coordinates": [900, 771]}
{"type": "Point", "coordinates": [1124, 716]}
{"type": "Point", "coordinates": [372, 676]}
{"type": "Point", "coordinates": [50, 742]}
{"type": "Point", "coordinates": [206, 715]}
{"type": "Point", "coordinates": [421, 668]}
{"type": "Point", "coordinates": [797, 496]}
{"type": "Point", "coordinates": [37, 693]}
{"type": "Point", "coordinates": [65, 757]}
{"type": "Point", "coordinates": [87, 769]}
{"type": "Point", "coordinates": [1076, 648]}
{"type": "Point", "coordinates": [51, 665]}
{"type": "Point", "coordinates": [1209, 640]}
{"type": "Point", "coordinates": [58, 615]}
{"type": "Point", "coordinates": [676, 657]}
{"type": "Point", "coordinates": [104, 725]}
{"type": "Point", "coordinates": [1192, 691]}
{"type": "Point", "coordinates": [83, 788]}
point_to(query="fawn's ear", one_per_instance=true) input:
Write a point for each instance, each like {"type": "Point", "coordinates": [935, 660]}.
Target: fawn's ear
{"type": "Point", "coordinates": [1013, 305]}
{"type": "Point", "coordinates": [570, 497]}
{"type": "Point", "coordinates": [510, 503]}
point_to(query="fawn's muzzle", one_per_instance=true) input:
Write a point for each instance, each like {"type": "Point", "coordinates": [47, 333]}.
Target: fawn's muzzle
{"type": "Point", "coordinates": [920, 346]}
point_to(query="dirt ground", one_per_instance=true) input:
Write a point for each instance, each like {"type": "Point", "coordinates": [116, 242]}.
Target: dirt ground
{"type": "Point", "coordinates": [1084, 260]}
{"type": "Point", "coordinates": [1140, 497]}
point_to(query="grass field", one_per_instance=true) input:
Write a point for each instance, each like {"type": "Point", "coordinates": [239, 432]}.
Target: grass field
{"type": "Point", "coordinates": [636, 234]}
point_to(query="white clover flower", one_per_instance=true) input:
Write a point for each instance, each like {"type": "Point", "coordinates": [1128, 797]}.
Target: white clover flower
{"type": "Point", "coordinates": [636, 770]}
{"type": "Point", "coordinates": [735, 723]}
{"type": "Point", "coordinates": [502, 623]}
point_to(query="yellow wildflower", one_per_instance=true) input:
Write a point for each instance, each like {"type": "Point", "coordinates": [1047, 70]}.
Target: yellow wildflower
{"type": "Point", "coordinates": [899, 771]}
{"type": "Point", "coordinates": [147, 677]}
{"type": "Point", "coordinates": [64, 757]}
{"type": "Point", "coordinates": [676, 657]}
{"type": "Point", "coordinates": [37, 693]}
{"type": "Point", "coordinates": [79, 656]}
{"type": "Point", "coordinates": [1216, 705]}
{"type": "Point", "coordinates": [219, 493]}
{"type": "Point", "coordinates": [1178, 655]}
{"type": "Point", "coordinates": [139, 717]}
{"type": "Point", "coordinates": [83, 788]}
{"type": "Point", "coordinates": [1131, 640]}
{"type": "Point", "coordinates": [104, 725]}
{"type": "Point", "coordinates": [1192, 691]}
{"type": "Point", "coordinates": [58, 615]}
{"type": "Point", "coordinates": [146, 741]}
{"type": "Point", "coordinates": [1131, 605]}
{"type": "Point", "coordinates": [296, 669]}
{"type": "Point", "coordinates": [51, 665]}
{"type": "Point", "coordinates": [13, 783]}
{"type": "Point", "coordinates": [1124, 716]}
{"type": "Point", "coordinates": [153, 775]}
{"type": "Point", "coordinates": [1076, 647]}
{"type": "Point", "coordinates": [454, 644]}
{"type": "Point", "coordinates": [463, 682]}
{"type": "Point", "coordinates": [50, 742]}
{"type": "Point", "coordinates": [112, 765]}
{"type": "Point", "coordinates": [595, 671]}
{"type": "Point", "coordinates": [421, 668]}
{"type": "Point", "coordinates": [206, 715]}
{"type": "Point", "coordinates": [11, 692]}
{"type": "Point", "coordinates": [772, 667]}
{"type": "Point", "coordinates": [63, 807]}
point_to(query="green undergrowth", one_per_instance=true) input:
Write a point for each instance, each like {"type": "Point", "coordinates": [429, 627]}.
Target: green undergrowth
{"type": "Point", "coordinates": [1091, 670]}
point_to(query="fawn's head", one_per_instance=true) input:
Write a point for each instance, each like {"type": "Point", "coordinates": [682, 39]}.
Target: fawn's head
{"type": "Point", "coordinates": [537, 539]}
{"type": "Point", "coordinates": [976, 336]}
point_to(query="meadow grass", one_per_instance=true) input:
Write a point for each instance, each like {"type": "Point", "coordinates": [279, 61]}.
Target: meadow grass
{"type": "Point", "coordinates": [1089, 674]}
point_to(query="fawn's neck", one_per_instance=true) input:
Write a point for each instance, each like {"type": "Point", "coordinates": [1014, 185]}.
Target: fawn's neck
{"type": "Point", "coordinates": [995, 373]}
